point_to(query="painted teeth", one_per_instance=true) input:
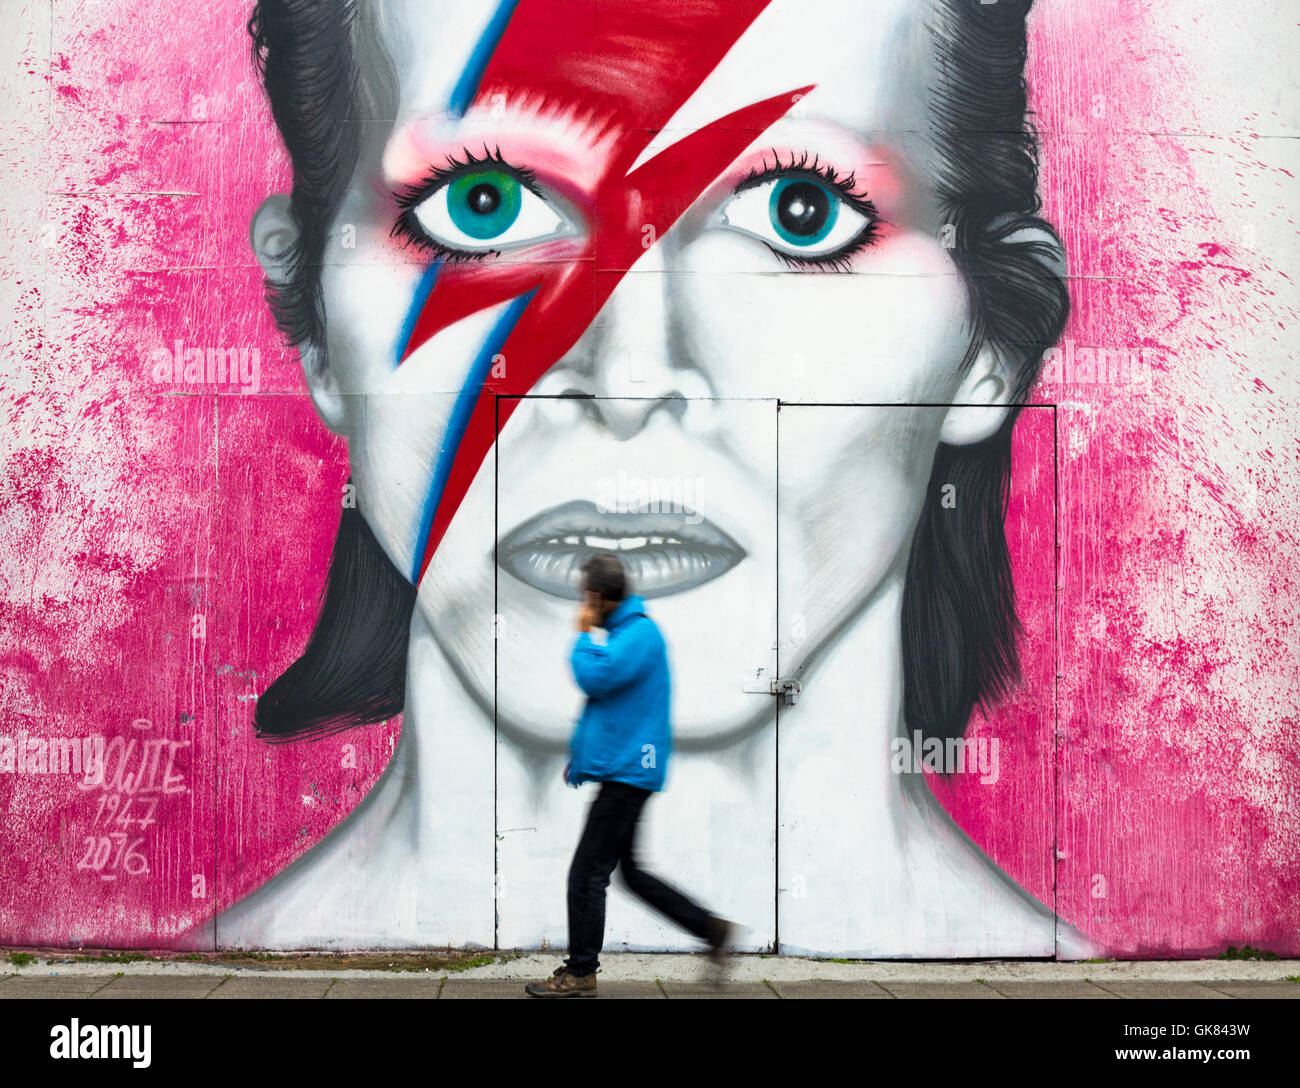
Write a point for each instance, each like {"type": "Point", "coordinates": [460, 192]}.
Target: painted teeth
{"type": "Point", "coordinates": [616, 544]}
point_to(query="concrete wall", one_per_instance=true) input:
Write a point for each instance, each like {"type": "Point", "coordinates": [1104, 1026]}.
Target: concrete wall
{"type": "Point", "coordinates": [767, 320]}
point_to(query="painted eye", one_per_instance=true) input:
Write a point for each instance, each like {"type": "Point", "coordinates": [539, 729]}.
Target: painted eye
{"type": "Point", "coordinates": [796, 216]}
{"type": "Point", "coordinates": [482, 210]}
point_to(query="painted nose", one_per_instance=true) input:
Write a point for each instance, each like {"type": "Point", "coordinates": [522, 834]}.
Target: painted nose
{"type": "Point", "coordinates": [629, 364]}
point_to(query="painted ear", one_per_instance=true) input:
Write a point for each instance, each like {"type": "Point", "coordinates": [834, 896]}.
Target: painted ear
{"type": "Point", "coordinates": [981, 404]}
{"type": "Point", "coordinates": [274, 235]}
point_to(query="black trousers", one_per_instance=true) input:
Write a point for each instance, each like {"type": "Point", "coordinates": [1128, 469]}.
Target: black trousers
{"type": "Point", "coordinates": [608, 840]}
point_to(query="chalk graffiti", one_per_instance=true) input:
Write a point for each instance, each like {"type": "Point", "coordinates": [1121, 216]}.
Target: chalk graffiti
{"type": "Point", "coordinates": [129, 787]}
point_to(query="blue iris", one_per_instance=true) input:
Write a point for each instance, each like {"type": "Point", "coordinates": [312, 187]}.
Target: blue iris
{"type": "Point", "coordinates": [802, 211]}
{"type": "Point", "coordinates": [484, 203]}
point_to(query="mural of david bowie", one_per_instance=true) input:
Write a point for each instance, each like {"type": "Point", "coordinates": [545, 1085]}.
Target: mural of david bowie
{"type": "Point", "coordinates": [604, 238]}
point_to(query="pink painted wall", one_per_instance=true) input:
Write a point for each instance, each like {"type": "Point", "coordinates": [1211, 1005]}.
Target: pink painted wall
{"type": "Point", "coordinates": [131, 508]}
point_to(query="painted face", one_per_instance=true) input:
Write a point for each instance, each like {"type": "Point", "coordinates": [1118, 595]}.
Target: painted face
{"type": "Point", "coordinates": [655, 224]}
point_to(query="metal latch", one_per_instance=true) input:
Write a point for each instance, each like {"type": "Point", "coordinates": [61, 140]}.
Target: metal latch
{"type": "Point", "coordinates": [761, 684]}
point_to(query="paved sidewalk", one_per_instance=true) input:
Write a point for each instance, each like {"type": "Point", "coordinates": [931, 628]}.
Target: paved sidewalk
{"type": "Point", "coordinates": [633, 975]}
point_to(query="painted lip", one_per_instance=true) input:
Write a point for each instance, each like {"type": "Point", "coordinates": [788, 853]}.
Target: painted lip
{"type": "Point", "coordinates": [664, 553]}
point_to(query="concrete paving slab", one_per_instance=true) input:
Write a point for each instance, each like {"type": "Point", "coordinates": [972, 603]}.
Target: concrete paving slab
{"type": "Point", "coordinates": [1282, 990]}
{"type": "Point", "coordinates": [911, 990]}
{"type": "Point", "coordinates": [646, 967]}
{"type": "Point", "coordinates": [53, 986]}
{"type": "Point", "coordinates": [645, 991]}
{"type": "Point", "coordinates": [1051, 990]}
{"type": "Point", "coordinates": [364, 985]}
{"type": "Point", "coordinates": [461, 988]}
{"type": "Point", "coordinates": [164, 982]}
{"type": "Point", "coordinates": [145, 986]}
{"type": "Point", "coordinates": [272, 987]}
{"type": "Point", "coordinates": [399, 988]}
{"type": "Point", "coordinates": [727, 990]}
{"type": "Point", "coordinates": [1162, 990]}
{"type": "Point", "coordinates": [755, 968]}
{"type": "Point", "coordinates": [604, 990]}
{"type": "Point", "coordinates": [837, 990]}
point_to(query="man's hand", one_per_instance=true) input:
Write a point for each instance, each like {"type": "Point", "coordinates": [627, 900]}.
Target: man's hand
{"type": "Point", "coordinates": [588, 614]}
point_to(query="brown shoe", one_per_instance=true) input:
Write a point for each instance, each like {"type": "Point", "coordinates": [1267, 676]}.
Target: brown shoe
{"type": "Point", "coordinates": [563, 984]}
{"type": "Point", "coordinates": [720, 948]}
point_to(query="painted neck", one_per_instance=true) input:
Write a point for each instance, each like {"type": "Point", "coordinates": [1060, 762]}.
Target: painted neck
{"type": "Point", "coordinates": [851, 706]}
{"type": "Point", "coordinates": [849, 712]}
{"type": "Point", "coordinates": [446, 733]}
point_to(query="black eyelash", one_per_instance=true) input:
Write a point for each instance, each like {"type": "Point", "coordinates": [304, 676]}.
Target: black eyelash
{"type": "Point", "coordinates": [845, 186]}
{"type": "Point", "coordinates": [408, 229]}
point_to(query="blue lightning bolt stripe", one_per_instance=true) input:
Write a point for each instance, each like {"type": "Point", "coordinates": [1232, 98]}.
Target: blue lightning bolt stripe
{"type": "Point", "coordinates": [467, 86]}
{"type": "Point", "coordinates": [460, 413]}
{"type": "Point", "coordinates": [422, 292]}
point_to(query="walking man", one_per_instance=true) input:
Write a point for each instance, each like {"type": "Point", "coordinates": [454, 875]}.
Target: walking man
{"type": "Point", "coordinates": [622, 741]}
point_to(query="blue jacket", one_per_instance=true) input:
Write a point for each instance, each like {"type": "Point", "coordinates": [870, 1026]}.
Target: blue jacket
{"type": "Point", "coordinates": [623, 734]}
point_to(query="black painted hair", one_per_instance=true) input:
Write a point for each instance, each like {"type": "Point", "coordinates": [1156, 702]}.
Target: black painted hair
{"type": "Point", "coordinates": [959, 626]}
{"type": "Point", "coordinates": [303, 51]}
{"type": "Point", "coordinates": [604, 574]}
{"type": "Point", "coordinates": [353, 670]}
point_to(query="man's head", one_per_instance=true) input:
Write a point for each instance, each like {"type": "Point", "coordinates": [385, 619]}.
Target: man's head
{"type": "Point", "coordinates": [604, 580]}
{"type": "Point", "coordinates": [910, 165]}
